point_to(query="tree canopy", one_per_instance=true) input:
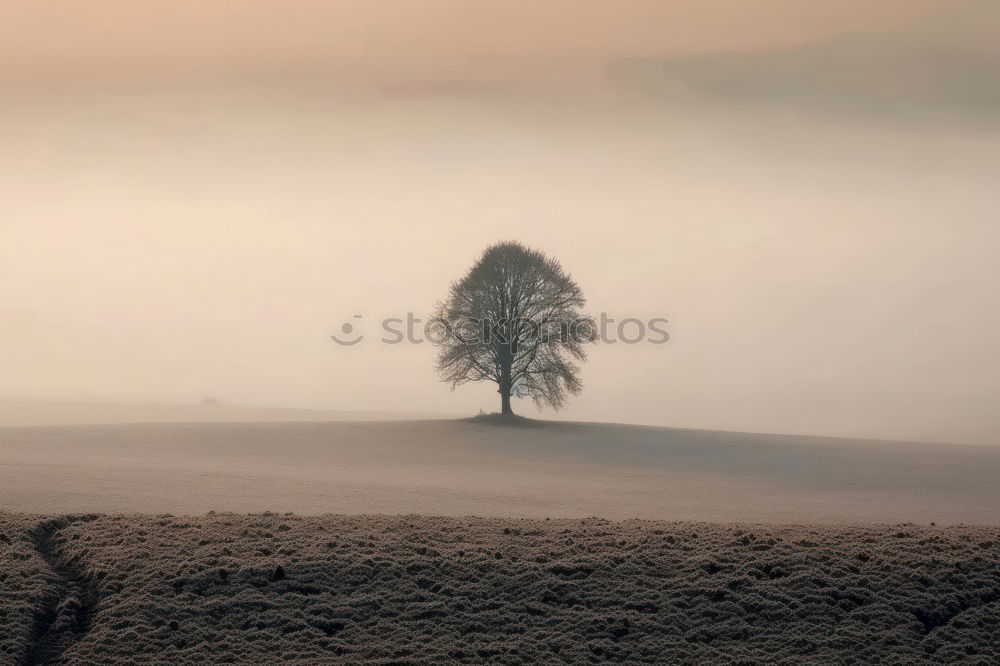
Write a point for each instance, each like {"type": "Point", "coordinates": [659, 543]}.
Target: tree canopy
{"type": "Point", "coordinates": [515, 319]}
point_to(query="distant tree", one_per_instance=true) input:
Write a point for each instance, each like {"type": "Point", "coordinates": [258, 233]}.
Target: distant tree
{"type": "Point", "coordinates": [515, 319]}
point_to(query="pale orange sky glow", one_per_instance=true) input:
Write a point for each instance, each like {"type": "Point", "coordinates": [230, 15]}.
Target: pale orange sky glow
{"type": "Point", "coordinates": [77, 40]}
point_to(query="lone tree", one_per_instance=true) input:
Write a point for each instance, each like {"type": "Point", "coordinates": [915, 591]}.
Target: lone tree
{"type": "Point", "coordinates": [514, 319]}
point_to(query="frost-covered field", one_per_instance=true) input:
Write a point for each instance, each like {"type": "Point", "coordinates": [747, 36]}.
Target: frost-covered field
{"type": "Point", "coordinates": [409, 589]}
{"type": "Point", "coordinates": [26, 585]}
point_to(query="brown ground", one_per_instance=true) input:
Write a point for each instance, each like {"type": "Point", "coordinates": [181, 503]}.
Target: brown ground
{"type": "Point", "coordinates": [404, 589]}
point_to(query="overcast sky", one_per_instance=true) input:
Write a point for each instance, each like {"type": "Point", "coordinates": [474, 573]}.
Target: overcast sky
{"type": "Point", "coordinates": [195, 197]}
{"type": "Point", "coordinates": [76, 40]}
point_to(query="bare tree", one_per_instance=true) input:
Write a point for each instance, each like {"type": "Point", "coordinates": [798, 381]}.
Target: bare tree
{"type": "Point", "coordinates": [514, 319]}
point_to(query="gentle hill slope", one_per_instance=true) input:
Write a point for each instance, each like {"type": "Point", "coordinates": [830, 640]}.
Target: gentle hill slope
{"type": "Point", "coordinates": [464, 467]}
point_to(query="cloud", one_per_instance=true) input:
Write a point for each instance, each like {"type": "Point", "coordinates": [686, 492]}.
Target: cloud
{"type": "Point", "coordinates": [946, 65]}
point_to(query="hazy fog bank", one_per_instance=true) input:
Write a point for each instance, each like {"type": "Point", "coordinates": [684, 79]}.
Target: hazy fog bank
{"type": "Point", "coordinates": [37, 412]}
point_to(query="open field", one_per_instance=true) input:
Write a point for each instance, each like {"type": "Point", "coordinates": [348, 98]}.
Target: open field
{"type": "Point", "coordinates": [410, 589]}
{"type": "Point", "coordinates": [93, 568]}
{"type": "Point", "coordinates": [467, 467]}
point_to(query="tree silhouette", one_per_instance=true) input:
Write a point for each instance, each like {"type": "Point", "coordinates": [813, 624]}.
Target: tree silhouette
{"type": "Point", "coordinates": [514, 319]}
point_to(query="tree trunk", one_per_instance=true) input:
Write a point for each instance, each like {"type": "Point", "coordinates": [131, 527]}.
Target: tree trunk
{"type": "Point", "coordinates": [505, 402]}
{"type": "Point", "coordinates": [505, 387]}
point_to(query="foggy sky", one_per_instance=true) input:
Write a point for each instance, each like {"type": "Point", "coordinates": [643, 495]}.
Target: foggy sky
{"type": "Point", "coordinates": [194, 199]}
{"type": "Point", "coordinates": [73, 40]}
